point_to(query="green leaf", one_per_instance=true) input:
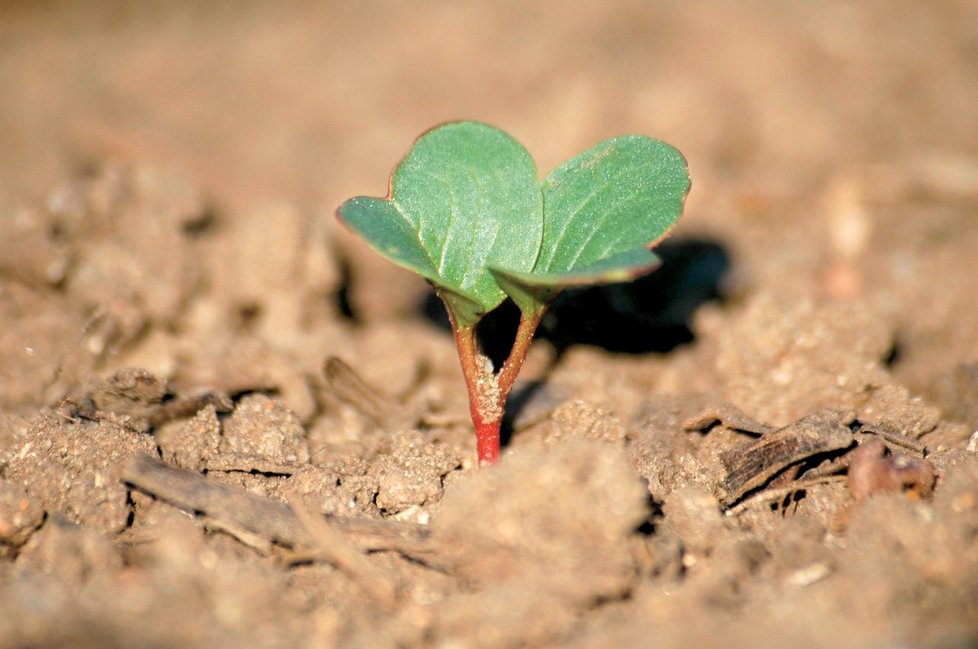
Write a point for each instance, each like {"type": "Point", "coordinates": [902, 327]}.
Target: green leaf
{"type": "Point", "coordinates": [532, 291]}
{"type": "Point", "coordinates": [465, 198]}
{"type": "Point", "coordinates": [603, 210]}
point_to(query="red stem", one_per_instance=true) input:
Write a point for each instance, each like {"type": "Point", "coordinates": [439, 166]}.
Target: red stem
{"type": "Point", "coordinates": [484, 406]}
{"type": "Point", "coordinates": [513, 364]}
{"type": "Point", "coordinates": [488, 391]}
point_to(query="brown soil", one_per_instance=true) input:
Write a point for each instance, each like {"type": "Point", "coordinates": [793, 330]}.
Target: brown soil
{"type": "Point", "coordinates": [772, 441]}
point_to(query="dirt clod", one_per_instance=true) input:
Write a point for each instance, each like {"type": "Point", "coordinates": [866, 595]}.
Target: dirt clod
{"type": "Point", "coordinates": [265, 431]}
{"type": "Point", "coordinates": [412, 474]}
{"type": "Point", "coordinates": [582, 420]}
{"type": "Point", "coordinates": [873, 470]}
{"type": "Point", "coordinates": [498, 532]}
{"type": "Point", "coordinates": [19, 515]}
{"type": "Point", "coordinates": [695, 515]}
{"type": "Point", "coordinates": [72, 467]}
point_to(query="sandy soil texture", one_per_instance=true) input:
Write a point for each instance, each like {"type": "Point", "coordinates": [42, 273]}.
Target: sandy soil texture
{"type": "Point", "coordinates": [225, 423]}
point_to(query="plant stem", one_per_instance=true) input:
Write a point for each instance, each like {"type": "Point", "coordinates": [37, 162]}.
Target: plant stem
{"type": "Point", "coordinates": [488, 391]}
{"type": "Point", "coordinates": [484, 403]}
{"type": "Point", "coordinates": [513, 364]}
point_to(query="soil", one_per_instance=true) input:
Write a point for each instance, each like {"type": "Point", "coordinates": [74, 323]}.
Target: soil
{"type": "Point", "coordinates": [224, 422]}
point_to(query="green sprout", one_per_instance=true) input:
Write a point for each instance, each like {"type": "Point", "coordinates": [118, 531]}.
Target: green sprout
{"type": "Point", "coordinates": [466, 211]}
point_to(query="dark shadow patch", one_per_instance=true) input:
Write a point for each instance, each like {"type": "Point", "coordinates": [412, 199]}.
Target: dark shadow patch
{"type": "Point", "coordinates": [894, 355]}
{"type": "Point", "coordinates": [650, 314]}
{"type": "Point", "coordinates": [341, 297]}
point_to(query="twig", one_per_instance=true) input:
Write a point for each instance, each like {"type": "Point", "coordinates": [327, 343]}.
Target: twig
{"type": "Point", "coordinates": [333, 547]}
{"type": "Point", "coordinates": [237, 509]}
{"type": "Point", "coordinates": [368, 400]}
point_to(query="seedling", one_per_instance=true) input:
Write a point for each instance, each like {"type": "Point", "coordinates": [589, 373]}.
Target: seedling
{"type": "Point", "coordinates": [466, 211]}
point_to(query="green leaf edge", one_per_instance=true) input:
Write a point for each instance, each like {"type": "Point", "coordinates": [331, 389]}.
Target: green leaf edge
{"type": "Point", "coordinates": [465, 309]}
{"type": "Point", "coordinates": [532, 292]}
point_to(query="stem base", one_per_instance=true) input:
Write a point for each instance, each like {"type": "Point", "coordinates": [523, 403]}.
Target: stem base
{"type": "Point", "coordinates": [488, 391]}
{"type": "Point", "coordinates": [487, 442]}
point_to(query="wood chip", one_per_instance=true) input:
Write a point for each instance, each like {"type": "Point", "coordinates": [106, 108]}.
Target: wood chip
{"type": "Point", "coordinates": [728, 416]}
{"type": "Point", "coordinates": [894, 437]}
{"type": "Point", "coordinates": [752, 465]}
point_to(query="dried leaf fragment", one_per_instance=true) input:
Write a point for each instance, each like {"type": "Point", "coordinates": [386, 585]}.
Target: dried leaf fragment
{"type": "Point", "coordinates": [751, 465]}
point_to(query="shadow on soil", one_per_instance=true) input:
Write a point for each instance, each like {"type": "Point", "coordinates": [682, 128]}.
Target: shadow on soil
{"type": "Point", "coordinates": [650, 314]}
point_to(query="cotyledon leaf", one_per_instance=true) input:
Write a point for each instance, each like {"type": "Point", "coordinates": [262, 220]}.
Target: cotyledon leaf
{"type": "Point", "coordinates": [465, 197]}
{"type": "Point", "coordinates": [603, 210]}
{"type": "Point", "coordinates": [533, 291]}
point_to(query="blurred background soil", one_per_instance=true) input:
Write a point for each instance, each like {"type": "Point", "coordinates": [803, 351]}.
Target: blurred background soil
{"type": "Point", "coordinates": [168, 175]}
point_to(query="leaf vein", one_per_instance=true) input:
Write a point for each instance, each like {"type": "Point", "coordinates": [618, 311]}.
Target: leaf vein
{"type": "Point", "coordinates": [417, 232]}
{"type": "Point", "coordinates": [613, 209]}
{"type": "Point", "coordinates": [573, 214]}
